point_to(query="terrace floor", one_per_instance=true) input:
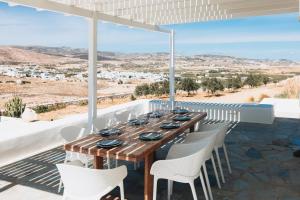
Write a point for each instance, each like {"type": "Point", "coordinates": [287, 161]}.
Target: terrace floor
{"type": "Point", "coordinates": [261, 157]}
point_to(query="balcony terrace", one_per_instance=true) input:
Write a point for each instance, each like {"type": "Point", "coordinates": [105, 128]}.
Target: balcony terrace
{"type": "Point", "coordinates": [261, 156]}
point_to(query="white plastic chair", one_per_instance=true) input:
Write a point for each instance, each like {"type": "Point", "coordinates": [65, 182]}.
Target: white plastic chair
{"type": "Point", "coordinates": [207, 156]}
{"type": "Point", "coordinates": [184, 166]}
{"type": "Point", "coordinates": [204, 131]}
{"type": "Point", "coordinates": [90, 184]}
{"type": "Point", "coordinates": [70, 134]}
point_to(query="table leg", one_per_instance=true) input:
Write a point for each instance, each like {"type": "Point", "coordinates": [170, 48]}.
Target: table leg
{"type": "Point", "coordinates": [98, 162]}
{"type": "Point", "coordinates": [192, 129]}
{"type": "Point", "coordinates": [148, 178]}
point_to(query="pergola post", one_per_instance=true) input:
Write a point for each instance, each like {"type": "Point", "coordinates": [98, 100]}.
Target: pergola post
{"type": "Point", "coordinates": [92, 74]}
{"type": "Point", "coordinates": [172, 69]}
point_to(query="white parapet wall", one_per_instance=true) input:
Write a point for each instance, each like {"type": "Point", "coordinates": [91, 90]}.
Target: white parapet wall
{"type": "Point", "coordinates": [19, 139]}
{"type": "Point", "coordinates": [284, 108]}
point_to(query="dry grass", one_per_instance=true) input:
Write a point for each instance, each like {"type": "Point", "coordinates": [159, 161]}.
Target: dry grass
{"type": "Point", "coordinates": [262, 97]}
{"type": "Point", "coordinates": [251, 99]}
{"type": "Point", "coordinates": [291, 89]}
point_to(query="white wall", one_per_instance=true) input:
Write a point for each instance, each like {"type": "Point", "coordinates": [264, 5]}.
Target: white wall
{"type": "Point", "coordinates": [19, 139]}
{"type": "Point", "coordinates": [285, 108]}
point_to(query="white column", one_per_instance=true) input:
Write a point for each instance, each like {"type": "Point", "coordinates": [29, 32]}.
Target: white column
{"type": "Point", "coordinates": [92, 74]}
{"type": "Point", "coordinates": [172, 69]}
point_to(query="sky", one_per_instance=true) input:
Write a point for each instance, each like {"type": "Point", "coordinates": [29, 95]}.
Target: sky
{"type": "Point", "coordinates": [268, 37]}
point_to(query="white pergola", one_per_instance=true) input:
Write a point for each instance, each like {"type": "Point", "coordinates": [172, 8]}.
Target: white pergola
{"type": "Point", "coordinates": [150, 15]}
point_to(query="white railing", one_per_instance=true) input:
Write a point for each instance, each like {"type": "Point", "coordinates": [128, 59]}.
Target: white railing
{"type": "Point", "coordinates": [252, 113]}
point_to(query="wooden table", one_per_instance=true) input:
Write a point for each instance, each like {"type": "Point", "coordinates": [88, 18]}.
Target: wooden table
{"type": "Point", "coordinates": [134, 149]}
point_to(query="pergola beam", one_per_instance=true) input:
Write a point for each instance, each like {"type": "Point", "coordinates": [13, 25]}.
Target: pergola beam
{"type": "Point", "coordinates": [73, 10]}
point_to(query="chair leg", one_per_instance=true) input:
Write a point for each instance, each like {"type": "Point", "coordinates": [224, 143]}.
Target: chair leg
{"type": "Point", "coordinates": [60, 185]}
{"type": "Point", "coordinates": [122, 191]}
{"type": "Point", "coordinates": [193, 190]}
{"type": "Point", "coordinates": [220, 164]}
{"type": "Point", "coordinates": [170, 189]}
{"type": "Point", "coordinates": [203, 185]}
{"type": "Point", "coordinates": [108, 163]}
{"type": "Point", "coordinates": [135, 166]}
{"type": "Point", "coordinates": [60, 181]}
{"type": "Point", "coordinates": [86, 164]}
{"type": "Point", "coordinates": [227, 159]}
{"type": "Point", "coordinates": [207, 182]}
{"type": "Point", "coordinates": [215, 170]}
{"type": "Point", "coordinates": [116, 163]}
{"type": "Point", "coordinates": [154, 188]}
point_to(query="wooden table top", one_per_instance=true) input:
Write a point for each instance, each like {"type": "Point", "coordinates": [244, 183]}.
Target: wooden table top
{"type": "Point", "coordinates": [133, 148]}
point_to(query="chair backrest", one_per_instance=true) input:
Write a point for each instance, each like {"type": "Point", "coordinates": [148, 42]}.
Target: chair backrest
{"type": "Point", "coordinates": [194, 156]}
{"type": "Point", "coordinates": [86, 182]}
{"type": "Point", "coordinates": [122, 116]}
{"type": "Point", "coordinates": [71, 133]}
{"type": "Point", "coordinates": [220, 128]}
{"type": "Point", "coordinates": [102, 123]}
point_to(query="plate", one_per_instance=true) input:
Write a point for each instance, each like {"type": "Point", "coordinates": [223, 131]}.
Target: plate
{"type": "Point", "coordinates": [108, 132]}
{"type": "Point", "coordinates": [137, 122]}
{"type": "Point", "coordinates": [150, 136]}
{"type": "Point", "coordinates": [182, 118]}
{"type": "Point", "coordinates": [169, 125]}
{"type": "Point", "coordinates": [155, 114]}
{"type": "Point", "coordinates": [109, 143]}
{"type": "Point", "coordinates": [180, 111]}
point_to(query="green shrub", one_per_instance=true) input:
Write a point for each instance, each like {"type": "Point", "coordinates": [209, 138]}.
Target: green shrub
{"type": "Point", "coordinates": [14, 107]}
{"type": "Point", "coordinates": [48, 108]}
{"type": "Point", "coordinates": [41, 109]}
{"type": "Point", "coordinates": [83, 102]}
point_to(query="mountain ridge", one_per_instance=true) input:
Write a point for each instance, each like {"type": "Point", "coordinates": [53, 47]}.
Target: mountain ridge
{"type": "Point", "coordinates": [61, 55]}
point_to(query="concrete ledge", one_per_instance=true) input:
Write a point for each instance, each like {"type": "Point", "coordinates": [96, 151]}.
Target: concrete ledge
{"type": "Point", "coordinates": [284, 108]}
{"type": "Point", "coordinates": [19, 139]}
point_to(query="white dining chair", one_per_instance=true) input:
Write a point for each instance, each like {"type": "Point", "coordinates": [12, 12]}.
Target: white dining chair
{"type": "Point", "coordinates": [184, 166]}
{"type": "Point", "coordinates": [90, 184]}
{"type": "Point", "coordinates": [205, 131]}
{"type": "Point", "coordinates": [208, 155]}
{"type": "Point", "coordinates": [70, 134]}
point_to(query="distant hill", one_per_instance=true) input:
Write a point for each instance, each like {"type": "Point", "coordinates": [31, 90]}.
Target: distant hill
{"type": "Point", "coordinates": [68, 52]}
{"type": "Point", "coordinates": [63, 55]}
{"type": "Point", "coordinates": [15, 55]}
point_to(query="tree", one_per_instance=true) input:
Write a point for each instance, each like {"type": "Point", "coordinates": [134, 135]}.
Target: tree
{"type": "Point", "coordinates": [254, 80]}
{"type": "Point", "coordinates": [212, 85]}
{"type": "Point", "coordinates": [229, 83]}
{"type": "Point", "coordinates": [189, 85]}
{"type": "Point", "coordinates": [265, 80]}
{"type": "Point", "coordinates": [237, 83]}
{"type": "Point", "coordinates": [157, 88]}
